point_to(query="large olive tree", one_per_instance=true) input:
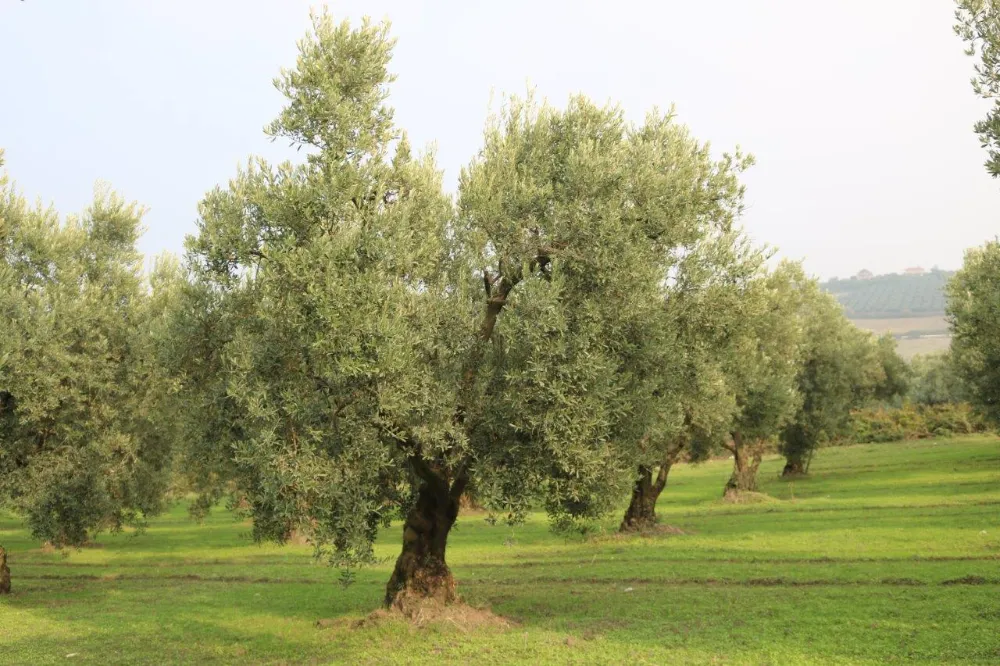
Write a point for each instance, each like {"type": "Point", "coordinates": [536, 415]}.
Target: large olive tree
{"type": "Point", "coordinates": [85, 433]}
{"type": "Point", "coordinates": [355, 348]}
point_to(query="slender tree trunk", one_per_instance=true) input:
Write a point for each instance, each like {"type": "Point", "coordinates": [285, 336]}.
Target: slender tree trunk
{"type": "Point", "coordinates": [4, 572]}
{"type": "Point", "coordinates": [421, 570]}
{"type": "Point", "coordinates": [746, 460]}
{"type": "Point", "coordinates": [641, 512]}
{"type": "Point", "coordinates": [809, 460]}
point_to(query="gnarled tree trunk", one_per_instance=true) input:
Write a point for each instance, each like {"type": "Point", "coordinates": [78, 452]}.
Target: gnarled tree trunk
{"type": "Point", "coordinates": [641, 512]}
{"type": "Point", "coordinates": [746, 460]}
{"type": "Point", "coordinates": [421, 571]}
{"type": "Point", "coordinates": [4, 572]}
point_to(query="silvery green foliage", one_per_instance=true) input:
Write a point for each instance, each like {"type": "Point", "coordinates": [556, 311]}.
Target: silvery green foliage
{"type": "Point", "coordinates": [977, 22]}
{"type": "Point", "coordinates": [841, 368]}
{"type": "Point", "coordinates": [85, 434]}
{"type": "Point", "coordinates": [589, 214]}
{"type": "Point", "coordinates": [316, 332]}
{"type": "Point", "coordinates": [766, 358]}
{"type": "Point", "coordinates": [974, 316]}
{"type": "Point", "coordinates": [348, 334]}
{"type": "Point", "coordinates": [936, 380]}
{"type": "Point", "coordinates": [710, 308]}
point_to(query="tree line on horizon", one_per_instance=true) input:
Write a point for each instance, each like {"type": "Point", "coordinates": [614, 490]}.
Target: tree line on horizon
{"type": "Point", "coordinates": [893, 295]}
{"type": "Point", "coordinates": [344, 344]}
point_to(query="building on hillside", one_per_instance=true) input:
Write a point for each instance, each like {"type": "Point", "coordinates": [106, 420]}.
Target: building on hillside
{"type": "Point", "coordinates": [864, 274]}
{"type": "Point", "coordinates": [914, 270]}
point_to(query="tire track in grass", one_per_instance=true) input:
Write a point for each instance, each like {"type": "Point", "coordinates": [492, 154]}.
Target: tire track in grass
{"type": "Point", "coordinates": [545, 562]}
{"type": "Point", "coordinates": [748, 582]}
{"type": "Point", "coordinates": [671, 582]}
{"type": "Point", "coordinates": [831, 509]}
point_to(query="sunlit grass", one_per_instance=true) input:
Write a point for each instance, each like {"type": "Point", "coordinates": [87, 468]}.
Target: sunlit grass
{"type": "Point", "coordinates": [887, 553]}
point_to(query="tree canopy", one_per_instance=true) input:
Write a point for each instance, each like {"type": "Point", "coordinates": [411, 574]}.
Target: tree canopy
{"type": "Point", "coordinates": [974, 315]}
{"type": "Point", "coordinates": [85, 432]}
{"type": "Point", "coordinates": [977, 22]}
{"type": "Point", "coordinates": [841, 367]}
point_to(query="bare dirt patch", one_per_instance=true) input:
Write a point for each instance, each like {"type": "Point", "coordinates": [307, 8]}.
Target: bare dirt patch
{"type": "Point", "coordinates": [426, 614]}
{"type": "Point", "coordinates": [748, 497]}
{"type": "Point", "coordinates": [970, 580]}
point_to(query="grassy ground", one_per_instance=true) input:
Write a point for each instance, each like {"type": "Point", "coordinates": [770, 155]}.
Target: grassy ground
{"type": "Point", "coordinates": [888, 554]}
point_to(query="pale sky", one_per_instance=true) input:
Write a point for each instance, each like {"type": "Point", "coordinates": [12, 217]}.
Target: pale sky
{"type": "Point", "coordinates": [859, 112]}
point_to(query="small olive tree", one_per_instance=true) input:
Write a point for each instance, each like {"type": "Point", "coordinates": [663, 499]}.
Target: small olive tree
{"type": "Point", "coordinates": [85, 434]}
{"type": "Point", "coordinates": [707, 318]}
{"type": "Point", "coordinates": [841, 368]}
{"type": "Point", "coordinates": [974, 316]}
{"type": "Point", "coordinates": [357, 348]}
{"type": "Point", "coordinates": [762, 371]}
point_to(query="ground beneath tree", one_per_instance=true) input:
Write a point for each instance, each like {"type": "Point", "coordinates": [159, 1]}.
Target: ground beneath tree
{"type": "Point", "coordinates": [658, 530]}
{"type": "Point", "coordinates": [887, 553]}
{"type": "Point", "coordinates": [747, 497]}
{"type": "Point", "coordinates": [426, 613]}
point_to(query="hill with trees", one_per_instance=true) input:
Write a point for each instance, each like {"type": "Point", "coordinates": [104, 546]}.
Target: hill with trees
{"type": "Point", "coordinates": [892, 295]}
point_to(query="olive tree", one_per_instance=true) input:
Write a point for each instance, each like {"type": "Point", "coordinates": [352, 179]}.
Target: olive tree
{"type": "Point", "coordinates": [356, 347]}
{"type": "Point", "coordinates": [85, 439]}
{"type": "Point", "coordinates": [762, 371]}
{"type": "Point", "coordinates": [840, 368]}
{"type": "Point", "coordinates": [974, 292]}
{"type": "Point", "coordinates": [974, 317]}
{"type": "Point", "coordinates": [977, 22]}
{"type": "Point", "coordinates": [705, 305]}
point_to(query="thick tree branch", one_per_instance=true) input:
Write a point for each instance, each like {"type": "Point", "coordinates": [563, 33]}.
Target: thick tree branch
{"type": "Point", "coordinates": [461, 481]}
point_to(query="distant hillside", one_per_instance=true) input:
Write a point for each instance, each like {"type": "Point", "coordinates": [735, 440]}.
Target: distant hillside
{"type": "Point", "coordinates": [890, 296]}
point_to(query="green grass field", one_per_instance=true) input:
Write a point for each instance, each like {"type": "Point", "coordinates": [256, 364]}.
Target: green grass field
{"type": "Point", "coordinates": [888, 554]}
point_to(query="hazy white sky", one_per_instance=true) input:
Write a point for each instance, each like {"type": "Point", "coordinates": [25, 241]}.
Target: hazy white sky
{"type": "Point", "coordinates": [859, 111]}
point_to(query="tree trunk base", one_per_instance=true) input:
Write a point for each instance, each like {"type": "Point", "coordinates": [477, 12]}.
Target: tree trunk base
{"type": "Point", "coordinates": [641, 513]}
{"type": "Point", "coordinates": [421, 573]}
{"type": "Point", "coordinates": [746, 461]}
{"type": "Point", "coordinates": [4, 572]}
{"type": "Point", "coordinates": [413, 584]}
{"type": "Point", "coordinates": [637, 524]}
{"type": "Point", "coordinates": [793, 469]}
